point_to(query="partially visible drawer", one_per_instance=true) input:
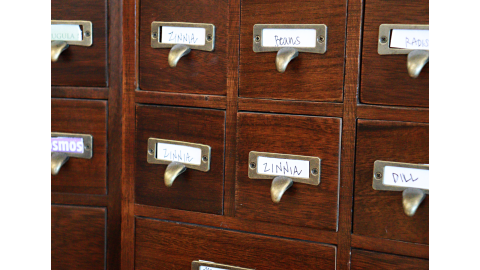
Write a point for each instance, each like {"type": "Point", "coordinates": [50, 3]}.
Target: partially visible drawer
{"type": "Point", "coordinates": [199, 72]}
{"type": "Point", "coordinates": [366, 260]}
{"type": "Point", "coordinates": [380, 213]}
{"type": "Point", "coordinates": [310, 76]}
{"type": "Point", "coordinates": [78, 237]}
{"type": "Point", "coordinates": [384, 78]}
{"type": "Point", "coordinates": [80, 65]}
{"type": "Point", "coordinates": [80, 175]}
{"type": "Point", "coordinates": [168, 245]}
{"type": "Point", "coordinates": [192, 190]}
{"type": "Point", "coordinates": [302, 204]}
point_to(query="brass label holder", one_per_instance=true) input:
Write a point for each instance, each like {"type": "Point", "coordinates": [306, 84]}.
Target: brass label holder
{"type": "Point", "coordinates": [156, 35]}
{"type": "Point", "coordinates": [87, 144]}
{"type": "Point", "coordinates": [87, 32]}
{"type": "Point", "coordinates": [384, 36]}
{"type": "Point", "coordinates": [204, 265]}
{"type": "Point", "coordinates": [59, 157]}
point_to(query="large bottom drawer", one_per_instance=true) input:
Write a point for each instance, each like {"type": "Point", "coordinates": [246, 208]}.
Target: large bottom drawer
{"type": "Point", "coordinates": [169, 245]}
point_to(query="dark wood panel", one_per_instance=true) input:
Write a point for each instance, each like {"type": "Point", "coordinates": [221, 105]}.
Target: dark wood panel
{"type": "Point", "coordinates": [79, 199]}
{"type": "Point", "coordinates": [291, 107]}
{"type": "Point", "coordinates": [390, 113]}
{"type": "Point", "coordinates": [190, 100]}
{"type": "Point", "coordinates": [384, 77]}
{"type": "Point", "coordinates": [166, 245]}
{"type": "Point", "coordinates": [380, 213]}
{"type": "Point", "coordinates": [390, 246]}
{"type": "Point", "coordinates": [80, 65]}
{"type": "Point", "coordinates": [78, 237]}
{"type": "Point", "coordinates": [233, 223]}
{"type": "Point", "coordinates": [199, 72]}
{"type": "Point", "coordinates": [362, 259]}
{"type": "Point", "coordinates": [309, 76]}
{"type": "Point", "coordinates": [192, 190]}
{"type": "Point", "coordinates": [301, 205]}
{"type": "Point", "coordinates": [78, 175]}
{"type": "Point", "coordinates": [79, 92]}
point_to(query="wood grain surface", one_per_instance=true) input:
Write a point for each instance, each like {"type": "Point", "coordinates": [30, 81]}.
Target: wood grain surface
{"type": "Point", "coordinates": [366, 260]}
{"type": "Point", "coordinates": [310, 76]}
{"type": "Point", "coordinates": [199, 72]}
{"type": "Point", "coordinates": [192, 190]}
{"type": "Point", "coordinates": [81, 65]}
{"type": "Point", "coordinates": [380, 213]}
{"type": "Point", "coordinates": [78, 175]}
{"type": "Point", "coordinates": [385, 79]}
{"type": "Point", "coordinates": [78, 237]}
{"type": "Point", "coordinates": [167, 245]}
{"type": "Point", "coordinates": [301, 205]}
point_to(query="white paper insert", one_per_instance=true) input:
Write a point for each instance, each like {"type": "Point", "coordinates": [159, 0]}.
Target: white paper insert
{"type": "Point", "coordinates": [283, 167]}
{"type": "Point", "coordinates": [409, 39]}
{"type": "Point", "coordinates": [180, 153]}
{"type": "Point", "coordinates": [405, 177]}
{"type": "Point", "coordinates": [272, 37]}
{"type": "Point", "coordinates": [66, 32]}
{"type": "Point", "coordinates": [210, 268]}
{"type": "Point", "coordinates": [183, 35]}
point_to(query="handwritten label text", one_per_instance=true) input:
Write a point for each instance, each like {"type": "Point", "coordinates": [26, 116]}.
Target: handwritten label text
{"type": "Point", "coordinates": [410, 39]}
{"type": "Point", "coordinates": [180, 153]}
{"type": "Point", "coordinates": [183, 35]}
{"type": "Point", "coordinates": [406, 177]}
{"type": "Point", "coordinates": [287, 167]}
{"type": "Point", "coordinates": [305, 38]}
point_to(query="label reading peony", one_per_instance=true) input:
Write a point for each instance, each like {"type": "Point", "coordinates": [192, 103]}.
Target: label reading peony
{"type": "Point", "coordinates": [67, 145]}
{"type": "Point", "coordinates": [182, 35]}
{"type": "Point", "coordinates": [283, 167]}
{"type": "Point", "coordinates": [272, 37]}
{"type": "Point", "coordinates": [66, 32]}
{"type": "Point", "coordinates": [180, 153]}
{"type": "Point", "coordinates": [410, 39]}
{"type": "Point", "coordinates": [406, 177]}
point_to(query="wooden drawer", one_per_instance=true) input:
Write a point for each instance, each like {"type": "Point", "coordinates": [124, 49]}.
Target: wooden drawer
{"type": "Point", "coordinates": [192, 190]}
{"type": "Point", "coordinates": [380, 213]}
{"type": "Point", "coordinates": [80, 175]}
{"type": "Point", "coordinates": [367, 260]}
{"type": "Point", "coordinates": [167, 245]}
{"type": "Point", "coordinates": [78, 237]}
{"type": "Point", "coordinates": [310, 76]}
{"type": "Point", "coordinates": [302, 204]}
{"type": "Point", "coordinates": [199, 72]}
{"type": "Point", "coordinates": [384, 78]}
{"type": "Point", "coordinates": [79, 65]}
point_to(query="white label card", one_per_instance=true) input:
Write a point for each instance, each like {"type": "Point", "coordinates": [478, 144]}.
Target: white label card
{"type": "Point", "coordinates": [272, 37]}
{"type": "Point", "coordinates": [405, 177]}
{"type": "Point", "coordinates": [182, 35]}
{"type": "Point", "coordinates": [180, 153]}
{"type": "Point", "coordinates": [280, 166]}
{"type": "Point", "coordinates": [409, 39]}
{"type": "Point", "coordinates": [210, 268]}
{"type": "Point", "coordinates": [66, 32]}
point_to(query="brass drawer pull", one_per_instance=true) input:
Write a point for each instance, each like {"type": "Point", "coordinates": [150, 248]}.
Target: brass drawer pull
{"type": "Point", "coordinates": [416, 60]}
{"type": "Point", "coordinates": [63, 40]}
{"type": "Point", "coordinates": [177, 52]}
{"type": "Point", "coordinates": [284, 56]}
{"type": "Point", "coordinates": [67, 145]}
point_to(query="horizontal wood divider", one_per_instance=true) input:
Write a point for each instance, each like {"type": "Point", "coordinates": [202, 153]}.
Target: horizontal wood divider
{"type": "Point", "coordinates": [392, 113]}
{"type": "Point", "coordinates": [179, 99]}
{"type": "Point", "coordinates": [79, 199]}
{"type": "Point", "coordinates": [79, 92]}
{"type": "Point", "coordinates": [390, 246]}
{"type": "Point", "coordinates": [291, 107]}
{"type": "Point", "coordinates": [232, 223]}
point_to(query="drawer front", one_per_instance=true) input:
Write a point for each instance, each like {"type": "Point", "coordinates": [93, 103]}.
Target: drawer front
{"type": "Point", "coordinates": [78, 237]}
{"type": "Point", "coordinates": [367, 260]}
{"type": "Point", "coordinates": [384, 77]}
{"type": "Point", "coordinates": [166, 245]}
{"type": "Point", "coordinates": [302, 204]}
{"type": "Point", "coordinates": [79, 175]}
{"type": "Point", "coordinates": [80, 65]}
{"type": "Point", "coordinates": [310, 76]}
{"type": "Point", "coordinates": [380, 213]}
{"type": "Point", "coordinates": [199, 72]}
{"type": "Point", "coordinates": [193, 190]}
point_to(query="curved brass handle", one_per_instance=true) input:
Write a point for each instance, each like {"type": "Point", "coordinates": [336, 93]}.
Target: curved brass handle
{"type": "Point", "coordinates": [416, 60]}
{"type": "Point", "coordinates": [280, 184]}
{"type": "Point", "coordinates": [284, 56]}
{"type": "Point", "coordinates": [177, 52]}
{"type": "Point", "coordinates": [58, 159]}
{"type": "Point", "coordinates": [173, 170]}
{"type": "Point", "coordinates": [412, 198]}
{"type": "Point", "coordinates": [58, 47]}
